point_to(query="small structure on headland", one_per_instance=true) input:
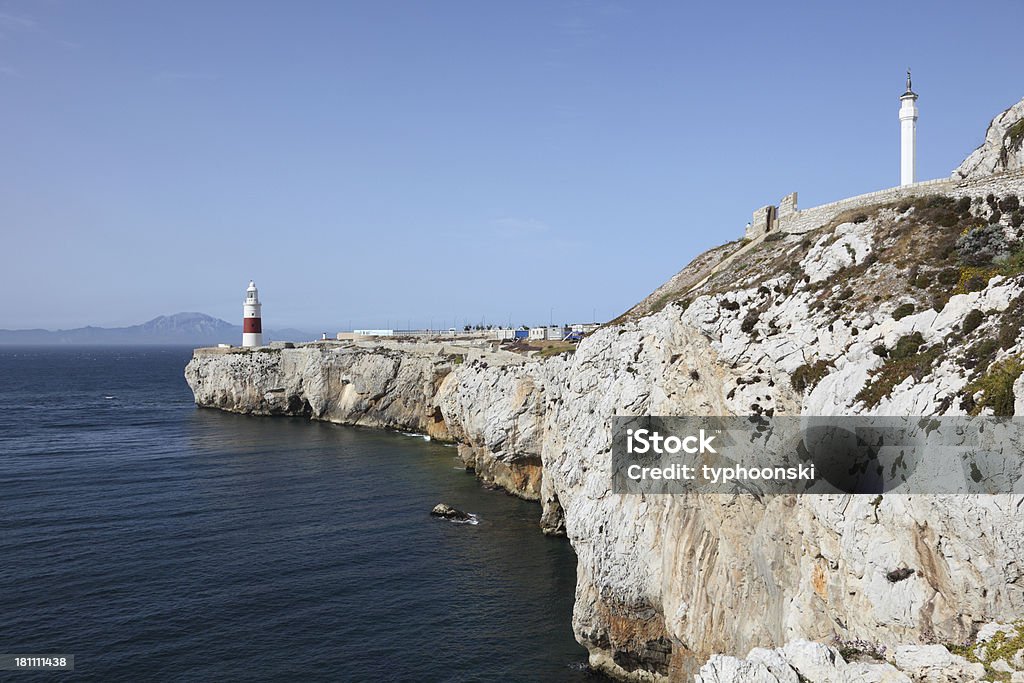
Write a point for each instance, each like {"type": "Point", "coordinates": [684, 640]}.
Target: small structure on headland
{"type": "Point", "coordinates": [252, 323]}
{"type": "Point", "coordinates": [1003, 174]}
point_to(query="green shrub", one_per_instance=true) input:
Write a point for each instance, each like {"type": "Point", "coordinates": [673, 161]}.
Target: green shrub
{"type": "Point", "coordinates": [979, 355]}
{"type": "Point", "coordinates": [997, 388]}
{"type": "Point", "coordinates": [949, 276]}
{"type": "Point", "coordinates": [1008, 336]}
{"type": "Point", "coordinates": [749, 321]}
{"type": "Point", "coordinates": [963, 205]}
{"type": "Point", "coordinates": [972, 320]}
{"type": "Point", "coordinates": [923, 280]}
{"type": "Point", "coordinates": [939, 300]}
{"type": "Point", "coordinates": [1016, 219]}
{"type": "Point", "coordinates": [896, 369]}
{"type": "Point", "coordinates": [902, 311]}
{"type": "Point", "coordinates": [996, 216]}
{"type": "Point", "coordinates": [1014, 136]}
{"type": "Point", "coordinates": [1009, 203]}
{"type": "Point", "coordinates": [975, 283]}
{"type": "Point", "coordinates": [981, 246]}
{"type": "Point", "coordinates": [808, 375]}
{"type": "Point", "coordinates": [937, 210]}
{"type": "Point", "coordinates": [1011, 322]}
{"type": "Point", "coordinates": [907, 346]}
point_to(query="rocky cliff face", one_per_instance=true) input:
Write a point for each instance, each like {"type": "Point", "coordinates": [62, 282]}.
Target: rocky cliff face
{"type": "Point", "coordinates": [391, 386]}
{"type": "Point", "coordinates": [910, 308]}
{"type": "Point", "coordinates": [1003, 149]}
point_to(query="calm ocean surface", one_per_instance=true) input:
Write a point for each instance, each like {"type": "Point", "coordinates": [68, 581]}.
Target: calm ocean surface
{"type": "Point", "coordinates": [157, 541]}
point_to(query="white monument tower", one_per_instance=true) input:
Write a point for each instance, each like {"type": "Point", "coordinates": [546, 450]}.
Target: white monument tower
{"type": "Point", "coordinates": [252, 325]}
{"type": "Point", "coordinates": [908, 135]}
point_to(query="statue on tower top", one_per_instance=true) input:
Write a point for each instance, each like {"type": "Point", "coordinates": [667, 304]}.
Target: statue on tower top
{"type": "Point", "coordinates": [909, 90]}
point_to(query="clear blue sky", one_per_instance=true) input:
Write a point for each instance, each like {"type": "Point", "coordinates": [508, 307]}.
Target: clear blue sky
{"type": "Point", "coordinates": [383, 163]}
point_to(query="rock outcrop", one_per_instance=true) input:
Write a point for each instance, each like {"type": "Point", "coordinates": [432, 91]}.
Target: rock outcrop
{"type": "Point", "coordinates": [996, 654]}
{"type": "Point", "coordinates": [1003, 149]}
{"type": "Point", "coordinates": [892, 311]}
{"type": "Point", "coordinates": [390, 385]}
{"type": "Point", "coordinates": [446, 511]}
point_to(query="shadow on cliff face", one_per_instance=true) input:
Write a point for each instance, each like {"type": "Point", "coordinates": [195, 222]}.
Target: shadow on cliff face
{"type": "Point", "coordinates": [298, 406]}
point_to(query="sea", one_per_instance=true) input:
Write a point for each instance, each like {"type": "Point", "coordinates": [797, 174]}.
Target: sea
{"type": "Point", "coordinates": [154, 540]}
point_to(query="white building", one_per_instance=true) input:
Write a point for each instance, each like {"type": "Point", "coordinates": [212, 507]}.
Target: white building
{"type": "Point", "coordinates": [502, 333]}
{"type": "Point", "coordinates": [908, 135]}
{"type": "Point", "coordinates": [556, 332]}
{"type": "Point", "coordinates": [538, 333]}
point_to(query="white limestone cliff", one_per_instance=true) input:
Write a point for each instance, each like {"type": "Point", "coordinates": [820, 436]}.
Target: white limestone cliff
{"type": "Point", "coordinates": [1003, 149]}
{"type": "Point", "coordinates": [876, 315]}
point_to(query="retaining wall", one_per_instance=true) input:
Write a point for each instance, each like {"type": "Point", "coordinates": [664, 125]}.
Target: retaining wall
{"type": "Point", "coordinates": [790, 219]}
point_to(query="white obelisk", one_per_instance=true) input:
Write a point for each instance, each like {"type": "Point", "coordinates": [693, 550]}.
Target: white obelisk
{"type": "Point", "coordinates": [908, 135]}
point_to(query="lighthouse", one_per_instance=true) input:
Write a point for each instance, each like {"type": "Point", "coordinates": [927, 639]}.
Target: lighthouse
{"type": "Point", "coordinates": [252, 326]}
{"type": "Point", "coordinates": [908, 135]}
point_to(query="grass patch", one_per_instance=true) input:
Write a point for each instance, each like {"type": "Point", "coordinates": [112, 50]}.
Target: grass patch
{"type": "Point", "coordinates": [997, 388]}
{"type": "Point", "coordinates": [1015, 135]}
{"type": "Point", "coordinates": [1011, 322]}
{"type": "Point", "coordinates": [556, 348]}
{"type": "Point", "coordinates": [1001, 646]}
{"type": "Point", "coordinates": [973, 279]}
{"type": "Point", "coordinates": [907, 359]}
{"type": "Point", "coordinates": [808, 375]}
{"type": "Point", "coordinates": [980, 354]}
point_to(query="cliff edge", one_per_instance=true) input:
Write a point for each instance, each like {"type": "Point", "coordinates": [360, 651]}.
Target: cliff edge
{"type": "Point", "coordinates": [1002, 150]}
{"type": "Point", "coordinates": [909, 307]}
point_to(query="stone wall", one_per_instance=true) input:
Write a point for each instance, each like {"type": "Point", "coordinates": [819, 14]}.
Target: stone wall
{"type": "Point", "coordinates": [763, 221]}
{"type": "Point", "coordinates": [791, 219]}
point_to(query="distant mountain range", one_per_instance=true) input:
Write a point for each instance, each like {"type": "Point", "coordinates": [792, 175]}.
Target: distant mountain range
{"type": "Point", "coordinates": [196, 329]}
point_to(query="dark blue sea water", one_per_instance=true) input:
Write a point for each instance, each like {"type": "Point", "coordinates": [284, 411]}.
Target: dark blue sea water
{"type": "Point", "coordinates": [158, 541]}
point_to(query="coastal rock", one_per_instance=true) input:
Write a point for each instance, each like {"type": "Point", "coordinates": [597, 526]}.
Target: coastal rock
{"type": "Point", "coordinates": [448, 512]}
{"type": "Point", "coordinates": [936, 664]}
{"type": "Point", "coordinates": [874, 326]}
{"type": "Point", "coordinates": [989, 631]}
{"type": "Point", "coordinates": [799, 661]}
{"type": "Point", "coordinates": [391, 386]}
{"type": "Point", "coordinates": [1003, 149]}
{"type": "Point", "coordinates": [723, 669]}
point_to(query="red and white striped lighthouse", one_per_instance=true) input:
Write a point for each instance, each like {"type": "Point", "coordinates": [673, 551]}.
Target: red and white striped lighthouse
{"type": "Point", "coordinates": [252, 325]}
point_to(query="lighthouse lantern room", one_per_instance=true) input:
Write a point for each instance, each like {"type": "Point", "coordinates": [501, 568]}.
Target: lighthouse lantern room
{"type": "Point", "coordinates": [252, 325]}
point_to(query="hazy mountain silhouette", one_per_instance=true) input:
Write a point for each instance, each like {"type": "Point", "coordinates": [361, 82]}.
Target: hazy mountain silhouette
{"type": "Point", "coordinates": [180, 328]}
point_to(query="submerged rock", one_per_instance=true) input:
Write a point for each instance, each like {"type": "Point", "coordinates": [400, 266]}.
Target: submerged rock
{"type": "Point", "coordinates": [448, 512]}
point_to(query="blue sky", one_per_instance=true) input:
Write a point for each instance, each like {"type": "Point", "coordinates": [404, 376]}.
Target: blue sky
{"type": "Point", "coordinates": [394, 163]}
